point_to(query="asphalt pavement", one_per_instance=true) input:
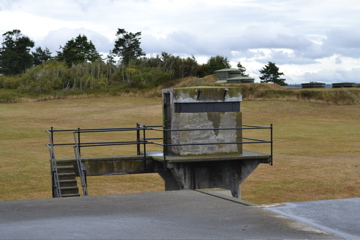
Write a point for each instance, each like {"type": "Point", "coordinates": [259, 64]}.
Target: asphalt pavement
{"type": "Point", "coordinates": [206, 214]}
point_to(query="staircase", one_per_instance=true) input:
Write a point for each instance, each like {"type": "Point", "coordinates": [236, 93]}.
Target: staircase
{"type": "Point", "coordinates": [67, 178]}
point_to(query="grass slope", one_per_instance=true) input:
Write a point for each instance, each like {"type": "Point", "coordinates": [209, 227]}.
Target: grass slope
{"type": "Point", "coordinates": [316, 150]}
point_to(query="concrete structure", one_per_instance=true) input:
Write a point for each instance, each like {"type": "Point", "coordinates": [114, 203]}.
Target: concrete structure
{"type": "Point", "coordinates": [202, 146]}
{"type": "Point", "coordinates": [200, 214]}
{"type": "Point", "coordinates": [232, 75]}
{"type": "Point", "coordinates": [343, 85]}
{"type": "Point", "coordinates": [206, 154]}
{"type": "Point", "coordinates": [198, 111]}
{"type": "Point", "coordinates": [313, 85]}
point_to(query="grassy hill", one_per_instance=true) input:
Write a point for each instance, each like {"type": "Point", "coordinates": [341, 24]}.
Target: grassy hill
{"type": "Point", "coordinates": [256, 91]}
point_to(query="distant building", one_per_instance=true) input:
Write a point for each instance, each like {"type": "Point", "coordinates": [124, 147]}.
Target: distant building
{"type": "Point", "coordinates": [232, 75]}
{"type": "Point", "coordinates": [343, 84]}
{"type": "Point", "coordinates": [313, 85]}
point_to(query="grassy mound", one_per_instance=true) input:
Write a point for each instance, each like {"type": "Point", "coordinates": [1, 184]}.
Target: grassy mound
{"type": "Point", "coordinates": [254, 91]}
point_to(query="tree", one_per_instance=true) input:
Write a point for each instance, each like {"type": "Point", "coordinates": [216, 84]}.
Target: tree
{"type": "Point", "coordinates": [242, 69]}
{"type": "Point", "coordinates": [270, 73]}
{"type": "Point", "coordinates": [110, 58]}
{"type": "Point", "coordinates": [216, 63]}
{"type": "Point", "coordinates": [77, 51]}
{"type": "Point", "coordinates": [41, 55]}
{"type": "Point", "coordinates": [15, 54]}
{"type": "Point", "coordinates": [127, 46]}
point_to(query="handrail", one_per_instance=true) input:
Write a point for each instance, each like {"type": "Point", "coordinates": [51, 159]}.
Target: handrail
{"type": "Point", "coordinates": [56, 192]}
{"type": "Point", "coordinates": [82, 171]}
{"type": "Point", "coordinates": [247, 127]}
{"type": "Point", "coordinates": [141, 142]}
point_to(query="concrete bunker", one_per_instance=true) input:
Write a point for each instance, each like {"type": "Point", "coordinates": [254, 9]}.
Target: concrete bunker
{"type": "Point", "coordinates": [313, 85]}
{"type": "Point", "coordinates": [343, 85]}
{"type": "Point", "coordinates": [232, 75]}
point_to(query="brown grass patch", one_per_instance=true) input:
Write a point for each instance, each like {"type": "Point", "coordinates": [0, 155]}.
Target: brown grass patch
{"type": "Point", "coordinates": [316, 149]}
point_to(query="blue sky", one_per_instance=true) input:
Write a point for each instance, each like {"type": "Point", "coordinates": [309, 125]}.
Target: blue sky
{"type": "Point", "coordinates": [310, 40]}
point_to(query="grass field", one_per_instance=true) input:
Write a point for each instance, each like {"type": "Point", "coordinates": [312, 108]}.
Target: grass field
{"type": "Point", "coordinates": [316, 149]}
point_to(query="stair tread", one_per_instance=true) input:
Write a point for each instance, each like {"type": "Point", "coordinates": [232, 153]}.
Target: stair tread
{"type": "Point", "coordinates": [65, 173]}
{"type": "Point", "coordinates": [67, 180]}
{"type": "Point", "coordinates": [69, 187]}
{"type": "Point", "coordinates": [65, 166]}
{"type": "Point", "coordinates": [70, 195]}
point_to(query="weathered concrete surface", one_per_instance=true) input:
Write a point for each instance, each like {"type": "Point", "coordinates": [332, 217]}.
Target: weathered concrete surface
{"type": "Point", "coordinates": [340, 217]}
{"type": "Point", "coordinates": [205, 113]}
{"type": "Point", "coordinates": [201, 175]}
{"type": "Point", "coordinates": [163, 215]}
{"type": "Point", "coordinates": [114, 165]}
{"type": "Point", "coordinates": [225, 171]}
{"type": "Point", "coordinates": [118, 165]}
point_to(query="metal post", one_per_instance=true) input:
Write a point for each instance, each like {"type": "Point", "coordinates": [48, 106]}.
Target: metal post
{"type": "Point", "coordinates": [55, 178]}
{"type": "Point", "coordinates": [52, 142]}
{"type": "Point", "coordinates": [53, 184]}
{"type": "Point", "coordinates": [144, 139]}
{"type": "Point", "coordinates": [79, 140]}
{"type": "Point", "coordinates": [271, 136]}
{"type": "Point", "coordinates": [138, 138]}
{"type": "Point", "coordinates": [165, 147]}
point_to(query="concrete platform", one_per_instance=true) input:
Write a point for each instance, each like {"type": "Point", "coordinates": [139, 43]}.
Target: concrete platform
{"type": "Point", "coordinates": [246, 155]}
{"type": "Point", "coordinates": [189, 214]}
{"type": "Point", "coordinates": [340, 217]}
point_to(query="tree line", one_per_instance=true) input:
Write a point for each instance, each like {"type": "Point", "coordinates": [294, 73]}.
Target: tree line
{"type": "Point", "coordinates": [78, 65]}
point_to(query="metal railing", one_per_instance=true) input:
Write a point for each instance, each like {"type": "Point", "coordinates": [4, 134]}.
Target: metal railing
{"type": "Point", "coordinates": [141, 142]}
{"type": "Point", "coordinates": [54, 170]}
{"type": "Point", "coordinates": [165, 144]}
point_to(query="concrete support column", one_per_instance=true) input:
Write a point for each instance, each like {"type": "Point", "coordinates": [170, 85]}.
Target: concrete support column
{"type": "Point", "coordinates": [200, 175]}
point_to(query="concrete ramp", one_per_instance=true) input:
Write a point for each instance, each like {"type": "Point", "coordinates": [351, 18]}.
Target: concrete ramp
{"type": "Point", "coordinates": [188, 214]}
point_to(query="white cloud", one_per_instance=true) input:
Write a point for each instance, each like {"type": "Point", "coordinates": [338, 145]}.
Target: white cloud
{"type": "Point", "coordinates": [305, 38]}
{"type": "Point", "coordinates": [60, 37]}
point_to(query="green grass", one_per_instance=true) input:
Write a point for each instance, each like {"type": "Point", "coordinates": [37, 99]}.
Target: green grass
{"type": "Point", "coordinates": [316, 149]}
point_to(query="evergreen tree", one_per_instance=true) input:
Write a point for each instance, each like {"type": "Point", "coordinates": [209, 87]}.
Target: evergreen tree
{"type": "Point", "coordinates": [216, 63]}
{"type": "Point", "coordinates": [127, 46]}
{"type": "Point", "coordinates": [270, 73]}
{"type": "Point", "coordinates": [77, 51]}
{"type": "Point", "coordinates": [242, 69]}
{"type": "Point", "coordinates": [15, 54]}
{"type": "Point", "coordinates": [41, 55]}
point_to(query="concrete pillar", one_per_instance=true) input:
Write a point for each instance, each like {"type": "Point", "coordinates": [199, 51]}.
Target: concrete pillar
{"type": "Point", "coordinates": [213, 119]}
{"type": "Point", "coordinates": [199, 175]}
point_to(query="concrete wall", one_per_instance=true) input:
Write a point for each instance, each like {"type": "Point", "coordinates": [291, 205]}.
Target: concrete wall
{"type": "Point", "coordinates": [203, 108]}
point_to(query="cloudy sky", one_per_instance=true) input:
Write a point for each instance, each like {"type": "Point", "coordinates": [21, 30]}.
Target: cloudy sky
{"type": "Point", "coordinates": [309, 40]}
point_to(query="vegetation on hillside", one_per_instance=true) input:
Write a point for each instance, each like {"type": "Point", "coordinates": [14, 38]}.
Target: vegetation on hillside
{"type": "Point", "coordinates": [78, 69]}
{"type": "Point", "coordinates": [78, 66]}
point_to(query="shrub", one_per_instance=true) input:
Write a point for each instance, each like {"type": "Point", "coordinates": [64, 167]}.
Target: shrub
{"type": "Point", "coordinates": [8, 98]}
